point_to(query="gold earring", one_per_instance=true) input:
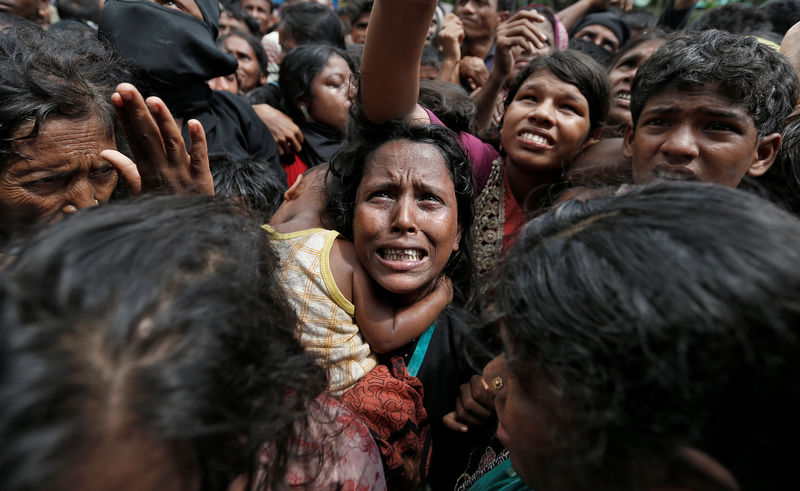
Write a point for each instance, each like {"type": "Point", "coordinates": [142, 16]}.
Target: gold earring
{"type": "Point", "coordinates": [497, 382]}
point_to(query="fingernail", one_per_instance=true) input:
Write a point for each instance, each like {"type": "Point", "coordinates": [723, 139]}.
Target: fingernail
{"type": "Point", "coordinates": [463, 429]}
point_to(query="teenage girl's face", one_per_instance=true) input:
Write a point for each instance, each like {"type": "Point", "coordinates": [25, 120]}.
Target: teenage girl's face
{"type": "Point", "coordinates": [546, 124]}
{"type": "Point", "coordinates": [331, 93]}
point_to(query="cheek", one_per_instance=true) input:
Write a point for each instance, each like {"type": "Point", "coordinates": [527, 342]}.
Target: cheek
{"type": "Point", "coordinates": [103, 190]}
{"type": "Point", "coordinates": [18, 205]}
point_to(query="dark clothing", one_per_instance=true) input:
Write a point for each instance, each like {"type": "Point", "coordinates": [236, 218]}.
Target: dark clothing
{"type": "Point", "coordinates": [320, 141]}
{"type": "Point", "coordinates": [675, 19]}
{"type": "Point", "coordinates": [267, 94]}
{"type": "Point", "coordinates": [444, 368]}
{"type": "Point", "coordinates": [232, 127]}
{"type": "Point", "coordinates": [174, 54]}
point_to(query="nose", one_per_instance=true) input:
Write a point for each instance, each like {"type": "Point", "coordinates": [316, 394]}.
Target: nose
{"type": "Point", "coordinates": [680, 145]}
{"type": "Point", "coordinates": [82, 195]}
{"type": "Point", "coordinates": [404, 219]}
{"type": "Point", "coordinates": [543, 113]}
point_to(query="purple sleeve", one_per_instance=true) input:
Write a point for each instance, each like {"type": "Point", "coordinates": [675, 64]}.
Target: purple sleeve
{"type": "Point", "coordinates": [480, 154]}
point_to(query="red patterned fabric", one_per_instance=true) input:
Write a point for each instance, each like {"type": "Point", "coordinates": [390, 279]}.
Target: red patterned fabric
{"type": "Point", "coordinates": [389, 401]}
{"type": "Point", "coordinates": [294, 169]}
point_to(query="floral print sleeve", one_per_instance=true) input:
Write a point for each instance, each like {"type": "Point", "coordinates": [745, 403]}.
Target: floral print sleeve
{"type": "Point", "coordinates": [350, 458]}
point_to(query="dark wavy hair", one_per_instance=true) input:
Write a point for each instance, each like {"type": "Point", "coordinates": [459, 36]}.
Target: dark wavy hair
{"type": "Point", "coordinates": [159, 318]}
{"type": "Point", "coordinates": [736, 18]}
{"type": "Point", "coordinates": [649, 34]}
{"type": "Point", "coordinates": [574, 68]}
{"type": "Point", "coordinates": [310, 22]}
{"type": "Point", "coordinates": [59, 74]}
{"type": "Point", "coordinates": [357, 8]}
{"type": "Point", "coordinates": [298, 69]}
{"type": "Point", "coordinates": [252, 181]}
{"type": "Point", "coordinates": [236, 11]}
{"type": "Point", "coordinates": [347, 168]}
{"type": "Point", "coordinates": [663, 318]}
{"type": "Point", "coordinates": [750, 74]}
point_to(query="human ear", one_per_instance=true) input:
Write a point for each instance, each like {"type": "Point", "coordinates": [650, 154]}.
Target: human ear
{"type": "Point", "coordinates": [627, 142]}
{"type": "Point", "coordinates": [458, 239]}
{"type": "Point", "coordinates": [592, 138]}
{"type": "Point", "coordinates": [692, 469]}
{"type": "Point", "coordinates": [766, 151]}
{"type": "Point", "coordinates": [294, 191]}
{"type": "Point", "coordinates": [303, 106]}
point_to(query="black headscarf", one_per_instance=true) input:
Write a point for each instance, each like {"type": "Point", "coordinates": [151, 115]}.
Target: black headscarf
{"type": "Point", "coordinates": [173, 55]}
{"type": "Point", "coordinates": [173, 52]}
{"type": "Point", "coordinates": [607, 19]}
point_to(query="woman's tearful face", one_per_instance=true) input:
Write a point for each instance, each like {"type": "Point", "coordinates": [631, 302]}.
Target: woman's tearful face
{"type": "Point", "coordinates": [406, 218]}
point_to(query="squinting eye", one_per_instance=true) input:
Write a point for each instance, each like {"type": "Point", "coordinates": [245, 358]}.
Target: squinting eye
{"type": "Point", "coordinates": [720, 127]}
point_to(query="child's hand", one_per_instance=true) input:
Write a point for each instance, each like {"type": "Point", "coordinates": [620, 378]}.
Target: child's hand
{"type": "Point", "coordinates": [475, 406]}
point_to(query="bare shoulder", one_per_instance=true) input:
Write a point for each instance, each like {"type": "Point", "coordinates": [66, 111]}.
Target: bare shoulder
{"type": "Point", "coordinates": [344, 265]}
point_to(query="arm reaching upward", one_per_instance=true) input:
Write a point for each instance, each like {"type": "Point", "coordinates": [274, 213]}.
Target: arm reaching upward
{"type": "Point", "coordinates": [392, 53]}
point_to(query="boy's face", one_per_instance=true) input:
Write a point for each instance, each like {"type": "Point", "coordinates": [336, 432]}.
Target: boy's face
{"type": "Point", "coordinates": [698, 134]}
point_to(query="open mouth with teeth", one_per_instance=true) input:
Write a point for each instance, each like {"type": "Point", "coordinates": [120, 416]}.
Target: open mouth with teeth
{"type": "Point", "coordinates": [403, 255]}
{"type": "Point", "coordinates": [536, 139]}
{"type": "Point", "coordinates": [624, 95]}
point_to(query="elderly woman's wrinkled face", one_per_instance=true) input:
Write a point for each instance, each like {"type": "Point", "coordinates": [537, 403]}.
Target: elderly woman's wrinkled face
{"type": "Point", "coordinates": [405, 225]}
{"type": "Point", "coordinates": [331, 93]}
{"type": "Point", "coordinates": [61, 174]}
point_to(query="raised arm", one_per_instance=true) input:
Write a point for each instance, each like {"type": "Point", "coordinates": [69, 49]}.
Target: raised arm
{"type": "Point", "coordinates": [570, 15]}
{"type": "Point", "coordinates": [450, 38]}
{"type": "Point", "coordinates": [518, 34]}
{"type": "Point", "coordinates": [392, 53]}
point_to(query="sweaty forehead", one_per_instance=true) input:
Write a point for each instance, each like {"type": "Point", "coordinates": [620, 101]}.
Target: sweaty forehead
{"type": "Point", "coordinates": [401, 159]}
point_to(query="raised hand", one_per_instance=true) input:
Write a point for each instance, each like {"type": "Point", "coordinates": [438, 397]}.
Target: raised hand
{"type": "Point", "coordinates": [161, 160]}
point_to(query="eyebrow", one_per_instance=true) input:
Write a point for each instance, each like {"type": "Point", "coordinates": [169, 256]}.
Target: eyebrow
{"type": "Point", "coordinates": [627, 58]}
{"type": "Point", "coordinates": [427, 188]}
{"type": "Point", "coordinates": [51, 172]}
{"type": "Point", "coordinates": [709, 112]}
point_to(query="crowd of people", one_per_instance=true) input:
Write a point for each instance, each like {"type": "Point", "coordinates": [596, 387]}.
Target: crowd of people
{"type": "Point", "coordinates": [398, 244]}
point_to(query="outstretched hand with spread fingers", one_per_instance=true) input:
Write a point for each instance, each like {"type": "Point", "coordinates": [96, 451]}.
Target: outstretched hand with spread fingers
{"type": "Point", "coordinates": [161, 160]}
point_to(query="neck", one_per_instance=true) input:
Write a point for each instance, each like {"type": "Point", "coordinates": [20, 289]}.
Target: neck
{"type": "Point", "coordinates": [479, 47]}
{"type": "Point", "coordinates": [529, 189]}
